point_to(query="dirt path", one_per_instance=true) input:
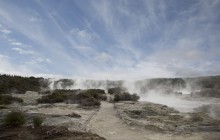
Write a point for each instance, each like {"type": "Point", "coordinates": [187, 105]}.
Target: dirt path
{"type": "Point", "coordinates": [109, 126]}
{"type": "Point", "coordinates": [106, 124]}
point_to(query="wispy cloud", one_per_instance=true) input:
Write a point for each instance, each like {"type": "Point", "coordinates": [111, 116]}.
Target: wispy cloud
{"type": "Point", "coordinates": [34, 19]}
{"type": "Point", "coordinates": [5, 31]}
{"type": "Point", "coordinates": [39, 60]}
{"type": "Point", "coordinates": [83, 34]}
{"type": "Point", "coordinates": [115, 39]}
{"type": "Point", "coordinates": [22, 51]}
{"type": "Point", "coordinates": [9, 68]}
{"type": "Point", "coordinates": [16, 43]}
{"type": "Point", "coordinates": [83, 48]}
{"type": "Point", "coordinates": [103, 57]}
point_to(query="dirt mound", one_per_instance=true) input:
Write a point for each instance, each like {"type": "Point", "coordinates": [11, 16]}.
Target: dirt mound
{"type": "Point", "coordinates": [45, 132]}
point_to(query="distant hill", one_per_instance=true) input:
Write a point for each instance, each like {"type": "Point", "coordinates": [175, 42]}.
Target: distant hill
{"type": "Point", "coordinates": [18, 84]}
{"type": "Point", "coordinates": [204, 82]}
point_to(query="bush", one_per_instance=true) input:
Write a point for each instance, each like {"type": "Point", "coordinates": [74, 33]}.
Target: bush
{"type": "Point", "coordinates": [90, 102]}
{"type": "Point", "coordinates": [126, 97]}
{"type": "Point", "coordinates": [45, 92]}
{"type": "Point", "coordinates": [74, 115]}
{"type": "Point", "coordinates": [90, 97]}
{"type": "Point", "coordinates": [98, 94]}
{"type": "Point", "coordinates": [97, 103]}
{"type": "Point", "coordinates": [53, 98]}
{"type": "Point", "coordinates": [98, 91]}
{"type": "Point", "coordinates": [135, 97]}
{"type": "Point", "coordinates": [37, 121]}
{"type": "Point", "coordinates": [196, 118]}
{"type": "Point", "coordinates": [116, 90]}
{"type": "Point", "coordinates": [15, 118]}
{"type": "Point", "coordinates": [3, 107]}
{"type": "Point", "coordinates": [7, 99]}
{"type": "Point", "coordinates": [103, 98]}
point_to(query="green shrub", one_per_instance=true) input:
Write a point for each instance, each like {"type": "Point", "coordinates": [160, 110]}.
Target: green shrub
{"type": "Point", "coordinates": [135, 97]}
{"type": "Point", "coordinates": [53, 98]}
{"type": "Point", "coordinates": [45, 92]}
{"type": "Point", "coordinates": [37, 121]}
{"type": "Point", "coordinates": [90, 97]}
{"type": "Point", "coordinates": [103, 97]}
{"type": "Point", "coordinates": [98, 94]}
{"type": "Point", "coordinates": [17, 84]}
{"type": "Point", "coordinates": [117, 97]}
{"type": "Point", "coordinates": [15, 118]}
{"type": "Point", "coordinates": [125, 96]}
{"type": "Point", "coordinates": [97, 103]}
{"type": "Point", "coordinates": [7, 99]}
{"type": "Point", "coordinates": [90, 102]}
{"type": "Point", "coordinates": [116, 90]}
{"type": "Point", "coordinates": [196, 118]}
{"type": "Point", "coordinates": [3, 107]}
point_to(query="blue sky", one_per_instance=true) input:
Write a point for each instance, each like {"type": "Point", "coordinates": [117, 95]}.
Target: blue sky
{"type": "Point", "coordinates": [110, 39]}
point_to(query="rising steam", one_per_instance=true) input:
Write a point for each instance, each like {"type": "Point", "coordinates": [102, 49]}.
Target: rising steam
{"type": "Point", "coordinates": [171, 92]}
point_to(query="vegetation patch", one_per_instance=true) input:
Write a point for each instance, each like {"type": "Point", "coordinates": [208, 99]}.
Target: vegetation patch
{"type": "Point", "coordinates": [125, 96]}
{"type": "Point", "coordinates": [74, 115]}
{"type": "Point", "coordinates": [45, 133]}
{"type": "Point", "coordinates": [55, 97]}
{"type": "Point", "coordinates": [116, 90]}
{"type": "Point", "coordinates": [17, 84]}
{"type": "Point", "coordinates": [137, 114]}
{"type": "Point", "coordinates": [14, 118]}
{"type": "Point", "coordinates": [196, 117]}
{"type": "Point", "coordinates": [90, 97]}
{"type": "Point", "coordinates": [8, 99]}
{"type": "Point", "coordinates": [3, 107]}
{"type": "Point", "coordinates": [175, 117]}
{"type": "Point", "coordinates": [37, 121]}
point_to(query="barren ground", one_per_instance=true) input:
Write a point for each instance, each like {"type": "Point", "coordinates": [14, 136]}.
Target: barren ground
{"type": "Point", "coordinates": [107, 124]}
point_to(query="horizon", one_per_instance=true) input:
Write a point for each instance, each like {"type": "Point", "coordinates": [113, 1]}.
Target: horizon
{"type": "Point", "coordinates": [110, 40]}
{"type": "Point", "coordinates": [130, 80]}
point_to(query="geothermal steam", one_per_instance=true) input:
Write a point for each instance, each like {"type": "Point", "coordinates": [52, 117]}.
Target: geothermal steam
{"type": "Point", "coordinates": [156, 91]}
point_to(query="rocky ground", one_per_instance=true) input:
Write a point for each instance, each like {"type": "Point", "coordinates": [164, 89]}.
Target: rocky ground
{"type": "Point", "coordinates": [112, 121]}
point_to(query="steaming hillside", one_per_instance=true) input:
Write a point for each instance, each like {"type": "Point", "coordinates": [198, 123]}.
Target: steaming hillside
{"type": "Point", "coordinates": [198, 86]}
{"type": "Point", "coordinates": [201, 86]}
{"type": "Point", "coordinates": [168, 91]}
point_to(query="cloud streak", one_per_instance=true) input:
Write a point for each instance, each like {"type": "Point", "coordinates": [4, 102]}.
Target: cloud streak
{"type": "Point", "coordinates": [114, 39]}
{"type": "Point", "coordinates": [5, 31]}
{"type": "Point", "coordinates": [22, 51]}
